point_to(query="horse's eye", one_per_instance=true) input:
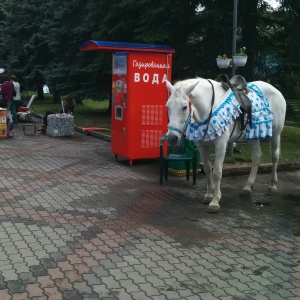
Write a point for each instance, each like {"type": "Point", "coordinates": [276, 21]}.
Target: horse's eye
{"type": "Point", "coordinates": [185, 107]}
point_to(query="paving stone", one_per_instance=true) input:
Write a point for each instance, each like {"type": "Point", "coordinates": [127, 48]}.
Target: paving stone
{"type": "Point", "coordinates": [65, 250]}
{"type": "Point", "coordinates": [16, 258]}
{"type": "Point", "coordinates": [36, 246]}
{"type": "Point", "coordinates": [111, 283]}
{"type": "Point", "coordinates": [31, 261]}
{"type": "Point", "coordinates": [74, 245]}
{"type": "Point", "coordinates": [57, 256]}
{"type": "Point", "coordinates": [203, 271]}
{"type": "Point", "coordinates": [2, 283]}
{"type": "Point", "coordinates": [170, 294]}
{"type": "Point", "coordinates": [82, 288]}
{"type": "Point", "coordinates": [114, 258]}
{"type": "Point", "coordinates": [34, 290]}
{"type": "Point", "coordinates": [72, 295]}
{"type": "Point", "coordinates": [143, 270]}
{"type": "Point", "coordinates": [55, 273]}
{"type": "Point", "coordinates": [15, 286]}
{"type": "Point", "coordinates": [27, 277]}
{"type": "Point", "coordinates": [155, 281]}
{"type": "Point", "coordinates": [92, 296]}
{"type": "Point", "coordinates": [107, 264]}
{"type": "Point", "coordinates": [101, 290]}
{"type": "Point", "coordinates": [273, 296]}
{"type": "Point", "coordinates": [45, 281]}
{"type": "Point", "coordinates": [10, 250]}
{"type": "Point", "coordinates": [53, 293]}
{"type": "Point", "coordinates": [48, 263]}
{"type": "Point", "coordinates": [91, 279]}
{"type": "Point", "coordinates": [9, 275]}
{"type": "Point", "coordinates": [100, 271]}
{"type": "Point", "coordinates": [79, 225]}
{"type": "Point", "coordinates": [38, 270]}
{"type": "Point", "coordinates": [161, 273]}
{"type": "Point", "coordinates": [16, 237]}
{"type": "Point", "coordinates": [129, 286]}
{"type": "Point", "coordinates": [170, 258]}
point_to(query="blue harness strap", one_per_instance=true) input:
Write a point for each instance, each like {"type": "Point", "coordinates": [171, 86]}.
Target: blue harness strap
{"type": "Point", "coordinates": [181, 131]}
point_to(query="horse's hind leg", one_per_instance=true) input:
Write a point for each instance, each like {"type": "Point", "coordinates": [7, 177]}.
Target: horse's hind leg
{"type": "Point", "coordinates": [256, 157]}
{"type": "Point", "coordinates": [275, 148]}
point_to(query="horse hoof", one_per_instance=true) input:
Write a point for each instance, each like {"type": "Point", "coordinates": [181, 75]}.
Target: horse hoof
{"type": "Point", "coordinates": [213, 209]}
{"type": "Point", "coordinates": [272, 190]}
{"type": "Point", "coordinates": [246, 192]}
{"type": "Point", "coordinates": [206, 200]}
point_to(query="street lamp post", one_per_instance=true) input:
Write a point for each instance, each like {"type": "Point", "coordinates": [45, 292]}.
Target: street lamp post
{"type": "Point", "coordinates": [230, 146]}
{"type": "Point", "coordinates": [235, 4]}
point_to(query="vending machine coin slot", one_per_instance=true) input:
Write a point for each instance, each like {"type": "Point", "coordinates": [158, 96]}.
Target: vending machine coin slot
{"type": "Point", "coordinates": [125, 100]}
{"type": "Point", "coordinates": [119, 112]}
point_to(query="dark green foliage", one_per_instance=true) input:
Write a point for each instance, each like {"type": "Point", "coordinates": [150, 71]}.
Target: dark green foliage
{"type": "Point", "coordinates": [40, 40]}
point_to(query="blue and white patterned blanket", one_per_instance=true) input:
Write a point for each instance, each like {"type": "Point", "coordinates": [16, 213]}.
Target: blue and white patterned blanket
{"type": "Point", "coordinates": [228, 111]}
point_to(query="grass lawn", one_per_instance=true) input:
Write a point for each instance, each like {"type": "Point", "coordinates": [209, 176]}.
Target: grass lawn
{"type": "Point", "coordinates": [290, 148]}
{"type": "Point", "coordinates": [95, 114]}
{"type": "Point", "coordinates": [90, 114]}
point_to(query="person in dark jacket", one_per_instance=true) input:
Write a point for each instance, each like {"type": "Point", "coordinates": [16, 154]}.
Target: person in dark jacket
{"type": "Point", "coordinates": [67, 108]}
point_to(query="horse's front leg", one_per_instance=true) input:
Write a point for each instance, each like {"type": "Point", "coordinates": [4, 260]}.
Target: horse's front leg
{"type": "Point", "coordinates": [220, 149]}
{"type": "Point", "coordinates": [207, 165]}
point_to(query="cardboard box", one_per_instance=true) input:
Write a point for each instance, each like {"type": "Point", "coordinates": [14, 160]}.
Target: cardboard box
{"type": "Point", "coordinates": [3, 124]}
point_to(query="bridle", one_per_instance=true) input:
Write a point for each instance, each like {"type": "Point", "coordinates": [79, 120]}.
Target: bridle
{"type": "Point", "coordinates": [183, 130]}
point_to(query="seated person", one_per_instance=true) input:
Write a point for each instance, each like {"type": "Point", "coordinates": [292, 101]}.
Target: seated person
{"type": "Point", "coordinates": [68, 108]}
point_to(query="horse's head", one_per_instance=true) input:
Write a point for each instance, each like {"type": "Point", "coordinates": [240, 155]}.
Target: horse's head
{"type": "Point", "coordinates": [178, 106]}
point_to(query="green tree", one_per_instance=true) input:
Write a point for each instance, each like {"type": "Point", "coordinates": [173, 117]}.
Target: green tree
{"type": "Point", "coordinates": [40, 40]}
{"type": "Point", "coordinates": [21, 40]}
{"type": "Point", "coordinates": [288, 41]}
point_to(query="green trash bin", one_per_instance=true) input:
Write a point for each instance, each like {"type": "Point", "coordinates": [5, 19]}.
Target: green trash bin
{"type": "Point", "coordinates": [178, 167]}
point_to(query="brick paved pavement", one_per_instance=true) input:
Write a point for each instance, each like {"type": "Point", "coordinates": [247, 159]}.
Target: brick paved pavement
{"type": "Point", "coordinates": [76, 224]}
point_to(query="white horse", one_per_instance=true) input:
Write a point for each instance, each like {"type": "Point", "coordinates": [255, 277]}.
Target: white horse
{"type": "Point", "coordinates": [193, 107]}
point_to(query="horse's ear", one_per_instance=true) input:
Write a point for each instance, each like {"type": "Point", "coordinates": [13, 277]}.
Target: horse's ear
{"type": "Point", "coordinates": [189, 89]}
{"type": "Point", "coordinates": [169, 86]}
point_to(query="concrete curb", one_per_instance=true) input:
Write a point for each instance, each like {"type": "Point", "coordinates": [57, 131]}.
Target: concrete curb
{"type": "Point", "coordinates": [228, 170]}
{"type": "Point", "coordinates": [96, 134]}
{"type": "Point", "coordinates": [244, 169]}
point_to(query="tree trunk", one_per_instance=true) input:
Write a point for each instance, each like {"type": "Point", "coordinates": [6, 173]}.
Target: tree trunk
{"type": "Point", "coordinates": [40, 93]}
{"type": "Point", "coordinates": [56, 97]}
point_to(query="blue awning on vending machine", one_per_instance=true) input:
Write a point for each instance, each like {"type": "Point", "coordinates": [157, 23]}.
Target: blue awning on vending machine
{"type": "Point", "coordinates": [92, 45]}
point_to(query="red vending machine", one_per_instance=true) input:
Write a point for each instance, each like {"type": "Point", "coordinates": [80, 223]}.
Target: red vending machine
{"type": "Point", "coordinates": [139, 95]}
